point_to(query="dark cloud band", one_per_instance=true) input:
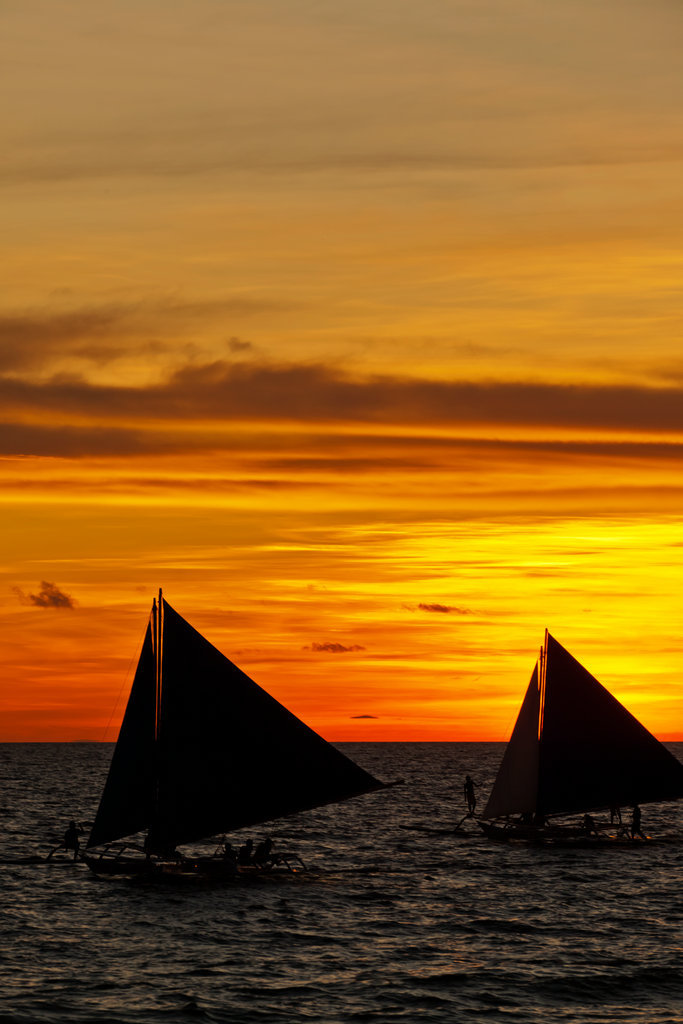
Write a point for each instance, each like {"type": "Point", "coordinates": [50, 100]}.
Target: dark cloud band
{"type": "Point", "coordinates": [223, 391]}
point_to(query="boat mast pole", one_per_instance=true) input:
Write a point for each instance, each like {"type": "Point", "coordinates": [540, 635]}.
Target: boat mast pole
{"type": "Point", "coordinates": [157, 633]}
{"type": "Point", "coordinates": [542, 667]}
{"type": "Point", "coordinates": [158, 623]}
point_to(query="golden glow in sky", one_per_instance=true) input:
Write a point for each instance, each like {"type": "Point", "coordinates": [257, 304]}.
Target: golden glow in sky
{"type": "Point", "coordinates": [355, 327]}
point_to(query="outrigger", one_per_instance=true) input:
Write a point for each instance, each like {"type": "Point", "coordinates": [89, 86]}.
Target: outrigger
{"type": "Point", "coordinates": [130, 859]}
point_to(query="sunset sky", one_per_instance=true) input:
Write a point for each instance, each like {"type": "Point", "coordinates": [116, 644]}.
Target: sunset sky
{"type": "Point", "coordinates": [355, 326]}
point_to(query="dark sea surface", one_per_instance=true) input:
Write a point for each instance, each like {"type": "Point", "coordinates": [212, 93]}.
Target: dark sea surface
{"type": "Point", "coordinates": [397, 920]}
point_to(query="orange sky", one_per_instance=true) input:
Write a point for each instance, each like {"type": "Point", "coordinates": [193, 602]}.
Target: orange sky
{"type": "Point", "coordinates": [356, 328]}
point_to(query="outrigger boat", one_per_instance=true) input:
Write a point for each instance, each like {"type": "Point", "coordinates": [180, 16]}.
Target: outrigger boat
{"type": "Point", "coordinates": [575, 750]}
{"type": "Point", "coordinates": [202, 751]}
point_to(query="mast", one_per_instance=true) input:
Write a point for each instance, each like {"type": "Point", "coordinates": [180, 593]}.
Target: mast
{"type": "Point", "coordinates": [542, 674]}
{"type": "Point", "coordinates": [157, 633]}
{"type": "Point", "coordinates": [157, 611]}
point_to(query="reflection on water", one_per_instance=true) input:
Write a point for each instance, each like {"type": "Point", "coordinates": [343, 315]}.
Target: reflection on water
{"type": "Point", "coordinates": [398, 919]}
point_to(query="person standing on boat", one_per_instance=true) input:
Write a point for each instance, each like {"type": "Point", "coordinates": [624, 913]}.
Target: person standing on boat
{"type": "Point", "coordinates": [71, 840]}
{"type": "Point", "coordinates": [635, 823]}
{"type": "Point", "coordinates": [470, 798]}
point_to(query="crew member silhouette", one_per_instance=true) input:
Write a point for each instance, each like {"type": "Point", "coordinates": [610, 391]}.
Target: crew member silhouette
{"type": "Point", "coordinates": [589, 824]}
{"type": "Point", "coordinates": [229, 853]}
{"type": "Point", "coordinates": [71, 840]}
{"type": "Point", "coordinates": [262, 854]}
{"type": "Point", "coordinates": [244, 857]}
{"type": "Point", "coordinates": [470, 798]}
{"type": "Point", "coordinates": [635, 823]}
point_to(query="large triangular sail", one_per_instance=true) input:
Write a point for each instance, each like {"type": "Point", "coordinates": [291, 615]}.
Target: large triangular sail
{"type": "Point", "coordinates": [127, 800]}
{"type": "Point", "coordinates": [575, 748]}
{"type": "Point", "coordinates": [594, 754]}
{"type": "Point", "coordinates": [224, 753]}
{"type": "Point", "coordinates": [230, 754]}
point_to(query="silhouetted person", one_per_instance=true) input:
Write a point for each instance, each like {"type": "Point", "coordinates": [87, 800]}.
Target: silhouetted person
{"type": "Point", "coordinates": [470, 798]}
{"type": "Point", "coordinates": [262, 855]}
{"type": "Point", "coordinates": [229, 858]}
{"type": "Point", "coordinates": [71, 840]}
{"type": "Point", "coordinates": [244, 857]}
{"type": "Point", "coordinates": [635, 823]}
{"type": "Point", "coordinates": [589, 825]}
{"type": "Point", "coordinates": [615, 815]}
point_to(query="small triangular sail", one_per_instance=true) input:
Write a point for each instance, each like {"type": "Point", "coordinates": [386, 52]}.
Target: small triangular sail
{"type": "Point", "coordinates": [516, 786]}
{"type": "Point", "coordinates": [593, 753]}
{"type": "Point", "coordinates": [230, 754]}
{"type": "Point", "coordinates": [127, 799]}
{"type": "Point", "coordinates": [575, 748]}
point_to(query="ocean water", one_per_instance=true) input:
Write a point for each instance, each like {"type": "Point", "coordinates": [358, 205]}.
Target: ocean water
{"type": "Point", "coordinates": [398, 919]}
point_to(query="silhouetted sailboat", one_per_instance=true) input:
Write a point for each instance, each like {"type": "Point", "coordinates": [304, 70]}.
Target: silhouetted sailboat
{"type": "Point", "coordinates": [574, 749]}
{"type": "Point", "coordinates": [204, 750]}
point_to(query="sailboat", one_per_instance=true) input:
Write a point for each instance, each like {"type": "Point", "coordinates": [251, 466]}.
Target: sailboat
{"type": "Point", "coordinates": [575, 750]}
{"type": "Point", "coordinates": [204, 750]}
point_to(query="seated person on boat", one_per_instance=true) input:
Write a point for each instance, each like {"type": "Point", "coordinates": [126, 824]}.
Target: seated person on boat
{"type": "Point", "coordinates": [246, 853]}
{"type": "Point", "coordinates": [589, 824]}
{"type": "Point", "coordinates": [262, 854]}
{"type": "Point", "coordinates": [229, 853]}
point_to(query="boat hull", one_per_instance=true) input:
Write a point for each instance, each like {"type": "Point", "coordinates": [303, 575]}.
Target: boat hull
{"type": "Point", "coordinates": [190, 868]}
{"type": "Point", "coordinates": [122, 865]}
{"type": "Point", "coordinates": [557, 835]}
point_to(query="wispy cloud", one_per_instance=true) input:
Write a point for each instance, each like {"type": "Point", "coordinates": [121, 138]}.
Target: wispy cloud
{"type": "Point", "coordinates": [331, 647]}
{"type": "Point", "coordinates": [311, 453]}
{"type": "Point", "coordinates": [444, 609]}
{"type": "Point", "coordinates": [101, 334]}
{"type": "Point", "coordinates": [424, 88]}
{"type": "Point", "coordinates": [49, 596]}
{"type": "Point", "coordinates": [238, 345]}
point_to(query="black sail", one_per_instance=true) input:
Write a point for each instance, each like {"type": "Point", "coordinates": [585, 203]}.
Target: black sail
{"type": "Point", "coordinates": [128, 796]}
{"type": "Point", "coordinates": [593, 753]}
{"type": "Point", "coordinates": [516, 787]}
{"type": "Point", "coordinates": [229, 754]}
{"type": "Point", "coordinates": [575, 748]}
